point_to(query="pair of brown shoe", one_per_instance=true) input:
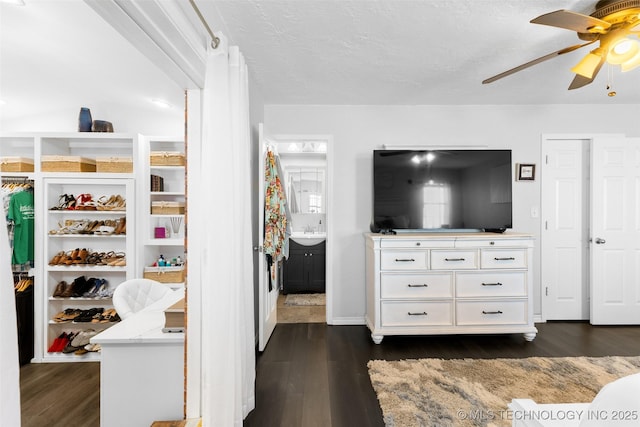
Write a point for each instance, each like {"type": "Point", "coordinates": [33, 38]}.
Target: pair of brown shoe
{"type": "Point", "coordinates": [77, 256]}
{"type": "Point", "coordinates": [76, 289]}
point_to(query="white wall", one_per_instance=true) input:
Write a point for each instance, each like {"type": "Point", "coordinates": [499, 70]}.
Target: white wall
{"type": "Point", "coordinates": [357, 130]}
{"type": "Point", "coordinates": [125, 118]}
{"type": "Point", "coordinates": [58, 56]}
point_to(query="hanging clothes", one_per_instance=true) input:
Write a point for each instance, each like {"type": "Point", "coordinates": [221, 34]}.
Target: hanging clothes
{"type": "Point", "coordinates": [287, 211]}
{"type": "Point", "coordinates": [18, 205]}
{"type": "Point", "coordinates": [276, 222]}
{"type": "Point", "coordinates": [21, 212]}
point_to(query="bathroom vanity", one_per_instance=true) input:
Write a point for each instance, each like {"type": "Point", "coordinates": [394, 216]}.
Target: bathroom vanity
{"type": "Point", "coordinates": [304, 270]}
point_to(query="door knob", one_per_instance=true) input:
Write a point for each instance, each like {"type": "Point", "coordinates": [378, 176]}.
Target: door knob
{"type": "Point", "coordinates": [600, 241]}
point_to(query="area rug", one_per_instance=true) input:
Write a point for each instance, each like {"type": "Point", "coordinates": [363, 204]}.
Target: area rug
{"type": "Point", "coordinates": [305, 299]}
{"type": "Point", "coordinates": [476, 392]}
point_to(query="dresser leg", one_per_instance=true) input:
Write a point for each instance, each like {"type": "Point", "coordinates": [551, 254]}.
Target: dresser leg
{"type": "Point", "coordinates": [377, 338]}
{"type": "Point", "coordinates": [529, 336]}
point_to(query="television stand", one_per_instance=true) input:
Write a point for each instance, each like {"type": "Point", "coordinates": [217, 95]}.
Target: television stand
{"type": "Point", "coordinates": [449, 283]}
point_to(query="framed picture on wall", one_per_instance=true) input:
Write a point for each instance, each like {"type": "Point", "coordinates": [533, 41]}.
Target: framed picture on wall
{"type": "Point", "coordinates": [526, 172]}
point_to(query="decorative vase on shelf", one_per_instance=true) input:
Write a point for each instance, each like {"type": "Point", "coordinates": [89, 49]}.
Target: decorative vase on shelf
{"type": "Point", "coordinates": [175, 224]}
{"type": "Point", "coordinates": [84, 120]}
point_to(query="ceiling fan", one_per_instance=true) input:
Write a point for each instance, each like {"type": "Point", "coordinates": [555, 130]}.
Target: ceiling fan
{"type": "Point", "coordinates": [611, 24]}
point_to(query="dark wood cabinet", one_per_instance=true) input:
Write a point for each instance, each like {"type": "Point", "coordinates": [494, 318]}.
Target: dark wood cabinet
{"type": "Point", "coordinates": [305, 269]}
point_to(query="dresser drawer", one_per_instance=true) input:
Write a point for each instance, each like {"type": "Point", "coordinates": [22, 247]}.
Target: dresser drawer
{"type": "Point", "coordinates": [416, 313]}
{"type": "Point", "coordinates": [403, 260]}
{"type": "Point", "coordinates": [416, 286]}
{"type": "Point", "coordinates": [503, 258]}
{"type": "Point", "coordinates": [415, 243]}
{"type": "Point", "coordinates": [501, 284]}
{"type": "Point", "coordinates": [454, 260]}
{"type": "Point", "coordinates": [491, 312]}
{"type": "Point", "coordinates": [492, 243]}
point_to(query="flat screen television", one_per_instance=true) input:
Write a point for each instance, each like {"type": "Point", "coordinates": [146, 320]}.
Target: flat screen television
{"type": "Point", "coordinates": [442, 190]}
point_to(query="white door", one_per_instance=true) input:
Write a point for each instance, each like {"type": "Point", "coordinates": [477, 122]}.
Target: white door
{"type": "Point", "coordinates": [615, 231]}
{"type": "Point", "coordinates": [565, 222]}
{"type": "Point", "coordinates": [267, 299]}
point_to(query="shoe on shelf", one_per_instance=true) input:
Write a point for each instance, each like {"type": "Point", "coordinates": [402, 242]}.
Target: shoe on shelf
{"type": "Point", "coordinates": [60, 288]}
{"type": "Point", "coordinates": [55, 346]}
{"type": "Point", "coordinates": [85, 202]}
{"type": "Point", "coordinates": [113, 203]}
{"type": "Point", "coordinates": [110, 315]}
{"type": "Point", "coordinates": [121, 227]}
{"type": "Point", "coordinates": [88, 315]}
{"type": "Point", "coordinates": [105, 230]}
{"type": "Point", "coordinates": [70, 202]}
{"type": "Point", "coordinates": [115, 259]}
{"type": "Point", "coordinates": [67, 315]}
{"type": "Point", "coordinates": [81, 257]}
{"type": "Point", "coordinates": [57, 258]}
{"type": "Point", "coordinates": [92, 347]}
{"type": "Point", "coordinates": [65, 202]}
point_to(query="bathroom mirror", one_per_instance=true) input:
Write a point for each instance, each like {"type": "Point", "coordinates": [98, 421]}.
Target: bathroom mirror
{"type": "Point", "coordinates": [305, 189]}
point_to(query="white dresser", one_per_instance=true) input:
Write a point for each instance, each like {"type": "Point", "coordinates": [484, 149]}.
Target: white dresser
{"type": "Point", "coordinates": [449, 283]}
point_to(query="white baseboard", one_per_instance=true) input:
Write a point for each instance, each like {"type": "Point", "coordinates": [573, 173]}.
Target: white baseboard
{"type": "Point", "coordinates": [347, 321]}
{"type": "Point", "coordinates": [537, 318]}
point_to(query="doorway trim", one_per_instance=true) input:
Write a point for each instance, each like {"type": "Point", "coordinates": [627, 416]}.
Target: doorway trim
{"type": "Point", "coordinates": [545, 210]}
{"type": "Point", "coordinates": [329, 205]}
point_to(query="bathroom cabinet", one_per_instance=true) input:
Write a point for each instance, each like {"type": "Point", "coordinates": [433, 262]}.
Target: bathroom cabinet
{"type": "Point", "coordinates": [304, 270]}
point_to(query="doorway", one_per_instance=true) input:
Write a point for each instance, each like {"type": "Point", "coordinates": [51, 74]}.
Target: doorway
{"type": "Point", "coordinates": [302, 277]}
{"type": "Point", "coordinates": [590, 197]}
{"type": "Point", "coordinates": [565, 228]}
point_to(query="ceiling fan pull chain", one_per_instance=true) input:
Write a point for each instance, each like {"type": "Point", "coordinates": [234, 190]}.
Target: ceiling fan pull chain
{"type": "Point", "coordinates": [610, 93]}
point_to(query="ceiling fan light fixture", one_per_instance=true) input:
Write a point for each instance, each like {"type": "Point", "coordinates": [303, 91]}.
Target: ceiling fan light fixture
{"type": "Point", "coordinates": [622, 46]}
{"type": "Point", "coordinates": [623, 51]}
{"type": "Point", "coordinates": [632, 63]}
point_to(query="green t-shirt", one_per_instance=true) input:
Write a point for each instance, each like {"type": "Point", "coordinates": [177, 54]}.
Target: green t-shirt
{"type": "Point", "coordinates": [21, 212]}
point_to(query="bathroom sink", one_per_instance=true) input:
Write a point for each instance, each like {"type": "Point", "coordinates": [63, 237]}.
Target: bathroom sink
{"type": "Point", "coordinates": [308, 239]}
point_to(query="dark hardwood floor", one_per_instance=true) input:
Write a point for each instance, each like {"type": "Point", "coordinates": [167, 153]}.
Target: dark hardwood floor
{"type": "Point", "coordinates": [312, 374]}
{"type": "Point", "coordinates": [316, 375]}
{"type": "Point", "coordinates": [60, 394]}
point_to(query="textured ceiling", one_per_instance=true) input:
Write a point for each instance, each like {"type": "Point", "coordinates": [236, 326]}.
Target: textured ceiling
{"type": "Point", "coordinates": [410, 51]}
{"type": "Point", "coordinates": [386, 52]}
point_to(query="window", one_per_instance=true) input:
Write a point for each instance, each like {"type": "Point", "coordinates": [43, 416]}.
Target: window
{"type": "Point", "coordinates": [436, 211]}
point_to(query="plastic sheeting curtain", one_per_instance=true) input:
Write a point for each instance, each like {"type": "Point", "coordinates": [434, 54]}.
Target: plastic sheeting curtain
{"type": "Point", "coordinates": [9, 364]}
{"type": "Point", "coordinates": [228, 340]}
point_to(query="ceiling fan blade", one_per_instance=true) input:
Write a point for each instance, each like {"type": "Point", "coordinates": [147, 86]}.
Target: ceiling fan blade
{"type": "Point", "coordinates": [572, 21]}
{"type": "Point", "coordinates": [535, 61]}
{"type": "Point", "coordinates": [588, 69]}
{"type": "Point", "coordinates": [579, 81]}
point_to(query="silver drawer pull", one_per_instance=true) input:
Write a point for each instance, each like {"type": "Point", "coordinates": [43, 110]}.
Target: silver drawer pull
{"type": "Point", "coordinates": [424, 313]}
{"type": "Point", "coordinates": [492, 284]}
{"type": "Point", "coordinates": [491, 312]}
{"type": "Point", "coordinates": [510, 258]}
{"type": "Point", "coordinates": [424, 285]}
{"type": "Point", "coordinates": [454, 259]}
{"type": "Point", "coordinates": [405, 260]}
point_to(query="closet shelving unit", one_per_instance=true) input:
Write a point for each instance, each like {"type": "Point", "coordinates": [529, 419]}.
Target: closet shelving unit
{"type": "Point", "coordinates": [55, 184]}
{"type": "Point", "coordinates": [172, 245]}
{"type": "Point", "coordinates": [48, 186]}
{"type": "Point", "coordinates": [56, 243]}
